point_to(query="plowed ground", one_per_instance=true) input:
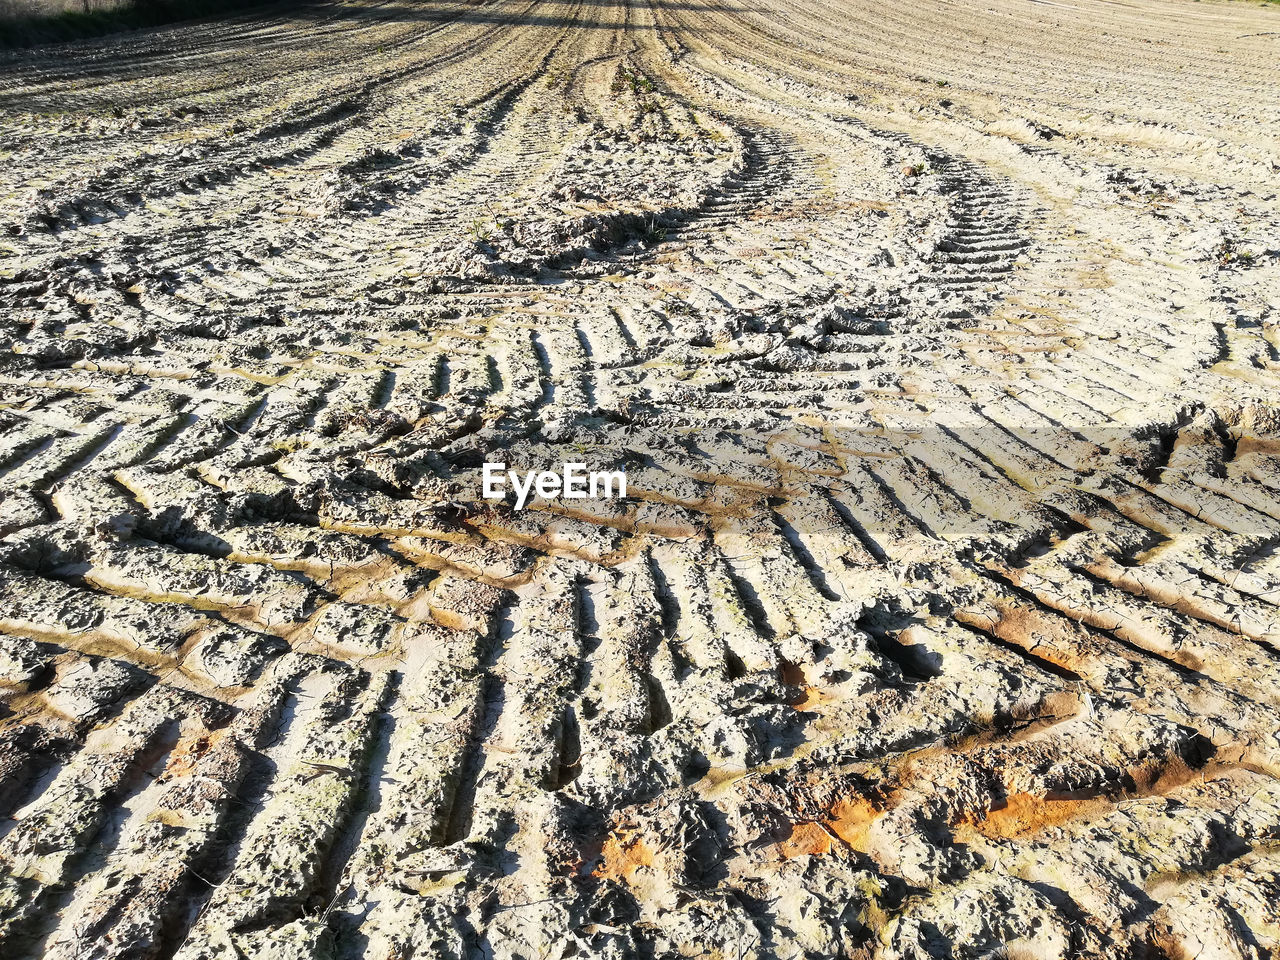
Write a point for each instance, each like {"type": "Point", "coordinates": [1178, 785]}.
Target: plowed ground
{"type": "Point", "coordinates": [939, 344]}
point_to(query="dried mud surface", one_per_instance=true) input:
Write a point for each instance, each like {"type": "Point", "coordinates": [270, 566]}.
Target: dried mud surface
{"type": "Point", "coordinates": [939, 342]}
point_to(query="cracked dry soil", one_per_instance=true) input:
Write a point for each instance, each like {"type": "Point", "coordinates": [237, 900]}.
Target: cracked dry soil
{"type": "Point", "coordinates": [939, 344]}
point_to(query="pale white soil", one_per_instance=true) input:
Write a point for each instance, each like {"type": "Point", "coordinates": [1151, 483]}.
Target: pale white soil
{"type": "Point", "coordinates": [939, 342]}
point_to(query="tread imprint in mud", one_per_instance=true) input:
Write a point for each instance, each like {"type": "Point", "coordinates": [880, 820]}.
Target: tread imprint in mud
{"type": "Point", "coordinates": [942, 614]}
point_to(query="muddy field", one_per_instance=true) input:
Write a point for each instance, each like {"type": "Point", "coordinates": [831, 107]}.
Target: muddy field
{"type": "Point", "coordinates": [941, 350]}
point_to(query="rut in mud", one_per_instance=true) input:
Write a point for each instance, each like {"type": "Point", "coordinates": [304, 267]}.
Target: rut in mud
{"type": "Point", "coordinates": [939, 347]}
